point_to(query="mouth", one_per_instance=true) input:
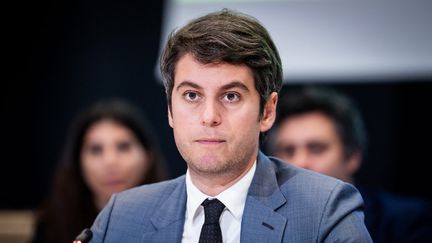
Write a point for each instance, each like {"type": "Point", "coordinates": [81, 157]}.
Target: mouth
{"type": "Point", "coordinates": [114, 182]}
{"type": "Point", "coordinates": [210, 141]}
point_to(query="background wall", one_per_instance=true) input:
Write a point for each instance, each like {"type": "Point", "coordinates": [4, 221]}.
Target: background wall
{"type": "Point", "coordinates": [64, 55]}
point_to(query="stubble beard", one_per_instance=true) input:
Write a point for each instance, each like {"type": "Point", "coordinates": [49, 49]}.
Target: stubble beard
{"type": "Point", "coordinates": [220, 165]}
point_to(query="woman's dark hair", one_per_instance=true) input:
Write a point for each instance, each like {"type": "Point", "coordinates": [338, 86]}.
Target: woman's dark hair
{"type": "Point", "coordinates": [70, 207]}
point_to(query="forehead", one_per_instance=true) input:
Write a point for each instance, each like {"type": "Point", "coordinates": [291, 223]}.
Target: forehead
{"type": "Point", "coordinates": [314, 126]}
{"type": "Point", "coordinates": [106, 128]}
{"type": "Point", "coordinates": [191, 70]}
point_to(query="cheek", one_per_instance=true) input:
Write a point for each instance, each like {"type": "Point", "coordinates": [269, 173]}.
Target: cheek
{"type": "Point", "coordinates": [284, 157]}
{"type": "Point", "coordinates": [135, 165]}
{"type": "Point", "coordinates": [245, 122]}
{"type": "Point", "coordinates": [183, 125]}
{"type": "Point", "coordinates": [184, 132]}
{"type": "Point", "coordinates": [329, 162]}
{"type": "Point", "coordinates": [91, 172]}
{"type": "Point", "coordinates": [88, 166]}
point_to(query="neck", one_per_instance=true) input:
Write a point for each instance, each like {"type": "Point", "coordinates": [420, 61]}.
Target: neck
{"type": "Point", "coordinates": [100, 202]}
{"type": "Point", "coordinates": [349, 180]}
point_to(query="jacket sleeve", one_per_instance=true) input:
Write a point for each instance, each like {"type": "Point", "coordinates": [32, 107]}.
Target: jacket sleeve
{"type": "Point", "coordinates": [343, 218]}
{"type": "Point", "coordinates": [100, 225]}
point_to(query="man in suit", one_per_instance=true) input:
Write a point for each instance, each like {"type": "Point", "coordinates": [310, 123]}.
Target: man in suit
{"type": "Point", "coordinates": [222, 76]}
{"type": "Point", "coordinates": [320, 129]}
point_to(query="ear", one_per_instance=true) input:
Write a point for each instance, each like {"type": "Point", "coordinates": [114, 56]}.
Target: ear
{"type": "Point", "coordinates": [353, 163]}
{"type": "Point", "coordinates": [170, 120]}
{"type": "Point", "coordinates": [269, 113]}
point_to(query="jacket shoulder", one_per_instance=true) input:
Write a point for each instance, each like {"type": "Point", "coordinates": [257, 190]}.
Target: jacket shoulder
{"type": "Point", "coordinates": [150, 193]}
{"type": "Point", "coordinates": [292, 176]}
{"type": "Point", "coordinates": [127, 216]}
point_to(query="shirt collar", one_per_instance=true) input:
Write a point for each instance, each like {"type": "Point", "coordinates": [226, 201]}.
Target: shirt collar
{"type": "Point", "coordinates": [233, 198]}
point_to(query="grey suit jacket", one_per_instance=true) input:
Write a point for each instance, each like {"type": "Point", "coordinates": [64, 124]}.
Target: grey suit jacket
{"type": "Point", "coordinates": [284, 204]}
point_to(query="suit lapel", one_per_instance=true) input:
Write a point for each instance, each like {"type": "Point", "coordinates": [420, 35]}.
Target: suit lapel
{"type": "Point", "coordinates": [168, 219]}
{"type": "Point", "coordinates": [260, 220]}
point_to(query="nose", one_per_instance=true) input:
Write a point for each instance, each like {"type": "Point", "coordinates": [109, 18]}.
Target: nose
{"type": "Point", "coordinates": [301, 159]}
{"type": "Point", "coordinates": [110, 157]}
{"type": "Point", "coordinates": [211, 115]}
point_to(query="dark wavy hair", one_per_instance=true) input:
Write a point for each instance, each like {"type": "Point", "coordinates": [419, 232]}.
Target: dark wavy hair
{"type": "Point", "coordinates": [70, 207]}
{"type": "Point", "coordinates": [230, 37]}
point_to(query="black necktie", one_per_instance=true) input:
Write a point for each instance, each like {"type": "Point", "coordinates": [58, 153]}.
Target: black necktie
{"type": "Point", "coordinates": [211, 231]}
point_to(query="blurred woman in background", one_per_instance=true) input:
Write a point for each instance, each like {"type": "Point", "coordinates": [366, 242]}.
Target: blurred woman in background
{"type": "Point", "coordinates": [110, 148]}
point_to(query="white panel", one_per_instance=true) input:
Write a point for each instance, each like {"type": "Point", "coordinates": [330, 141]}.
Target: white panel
{"type": "Point", "coordinates": [334, 40]}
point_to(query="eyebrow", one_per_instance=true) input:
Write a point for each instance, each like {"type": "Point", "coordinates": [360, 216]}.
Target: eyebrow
{"type": "Point", "coordinates": [234, 84]}
{"type": "Point", "coordinates": [188, 84]}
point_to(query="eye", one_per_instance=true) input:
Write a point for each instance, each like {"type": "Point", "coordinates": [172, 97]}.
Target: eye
{"type": "Point", "coordinates": [95, 149]}
{"type": "Point", "coordinates": [317, 148]}
{"type": "Point", "coordinates": [287, 151]}
{"type": "Point", "coordinates": [191, 96]}
{"type": "Point", "coordinates": [231, 97]}
{"type": "Point", "coordinates": [124, 146]}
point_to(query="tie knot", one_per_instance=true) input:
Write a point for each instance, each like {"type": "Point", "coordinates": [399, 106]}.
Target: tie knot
{"type": "Point", "coordinates": [212, 210]}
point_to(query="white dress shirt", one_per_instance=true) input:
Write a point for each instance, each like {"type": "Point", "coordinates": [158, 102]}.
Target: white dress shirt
{"type": "Point", "coordinates": [234, 199]}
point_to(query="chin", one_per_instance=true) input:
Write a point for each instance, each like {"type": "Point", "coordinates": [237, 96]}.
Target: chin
{"type": "Point", "coordinates": [205, 166]}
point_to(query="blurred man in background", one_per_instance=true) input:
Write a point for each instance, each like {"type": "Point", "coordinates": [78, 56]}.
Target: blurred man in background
{"type": "Point", "coordinates": [321, 130]}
